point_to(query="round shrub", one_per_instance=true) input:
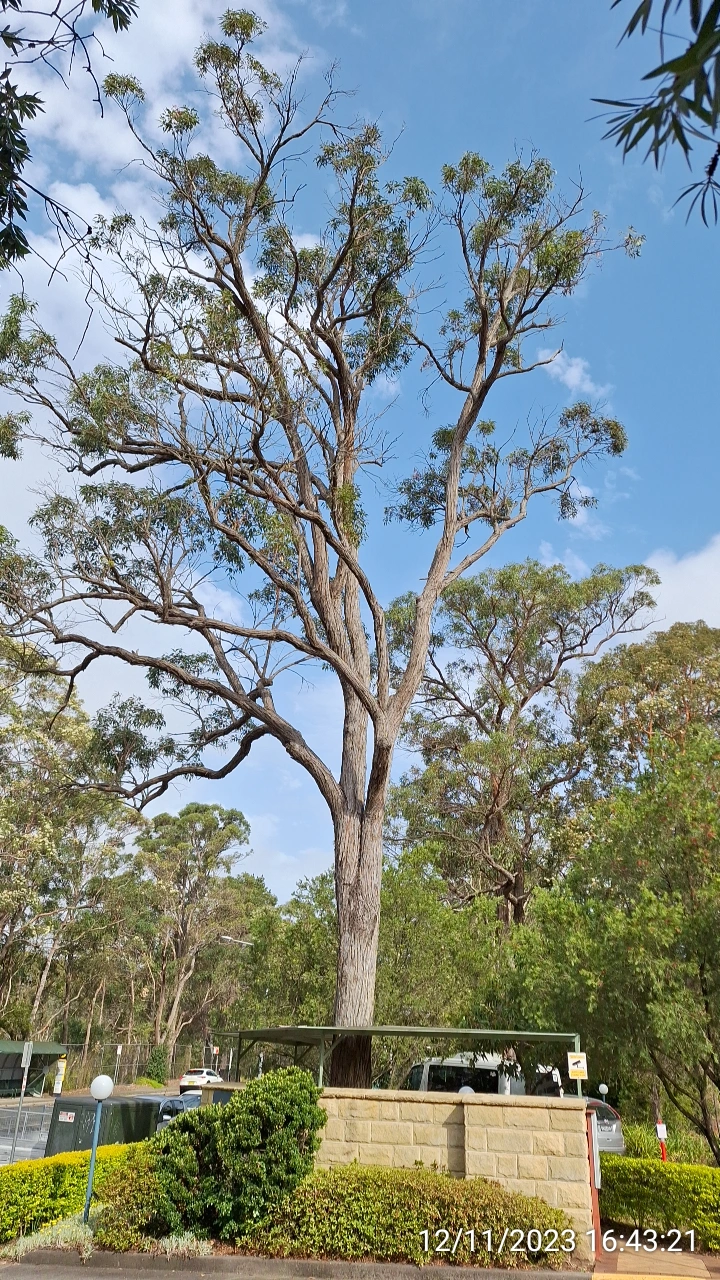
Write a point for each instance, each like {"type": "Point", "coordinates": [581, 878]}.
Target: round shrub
{"type": "Point", "coordinates": [360, 1212]}
{"type": "Point", "coordinates": [219, 1170]}
{"type": "Point", "coordinates": [156, 1067]}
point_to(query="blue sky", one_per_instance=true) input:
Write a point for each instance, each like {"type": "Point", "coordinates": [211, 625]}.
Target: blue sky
{"type": "Point", "coordinates": [442, 77]}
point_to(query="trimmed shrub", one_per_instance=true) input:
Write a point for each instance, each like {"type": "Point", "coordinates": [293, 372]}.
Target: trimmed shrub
{"type": "Point", "coordinates": [218, 1170]}
{"type": "Point", "coordinates": [650, 1193]}
{"type": "Point", "coordinates": [156, 1067]}
{"type": "Point", "coordinates": [360, 1212]}
{"type": "Point", "coordinates": [36, 1192]}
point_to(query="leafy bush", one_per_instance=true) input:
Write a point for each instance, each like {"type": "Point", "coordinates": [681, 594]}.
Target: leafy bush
{"type": "Point", "coordinates": [650, 1193]}
{"type": "Point", "coordinates": [36, 1192]}
{"type": "Point", "coordinates": [355, 1211]}
{"type": "Point", "coordinates": [156, 1067]}
{"type": "Point", "coordinates": [682, 1147]}
{"type": "Point", "coordinates": [218, 1170]}
{"type": "Point", "coordinates": [147, 1083]}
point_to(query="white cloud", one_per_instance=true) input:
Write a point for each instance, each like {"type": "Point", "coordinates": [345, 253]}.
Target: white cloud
{"type": "Point", "coordinates": [690, 585]}
{"type": "Point", "coordinates": [575, 565]}
{"type": "Point", "coordinates": [574, 373]}
{"type": "Point", "coordinates": [585, 522]}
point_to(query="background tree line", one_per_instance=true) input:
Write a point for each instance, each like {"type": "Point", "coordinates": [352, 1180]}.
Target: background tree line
{"type": "Point", "coordinates": [552, 857]}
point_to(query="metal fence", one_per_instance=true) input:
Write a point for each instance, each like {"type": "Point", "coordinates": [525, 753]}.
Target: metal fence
{"type": "Point", "coordinates": [34, 1122]}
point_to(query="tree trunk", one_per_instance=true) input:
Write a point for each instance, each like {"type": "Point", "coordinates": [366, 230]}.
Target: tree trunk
{"type": "Point", "coordinates": [358, 873]}
{"type": "Point", "coordinates": [43, 982]}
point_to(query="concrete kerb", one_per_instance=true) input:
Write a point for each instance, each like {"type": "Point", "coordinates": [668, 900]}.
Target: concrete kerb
{"type": "Point", "coordinates": [246, 1267]}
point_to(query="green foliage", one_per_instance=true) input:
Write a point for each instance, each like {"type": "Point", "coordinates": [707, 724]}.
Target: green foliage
{"type": "Point", "coordinates": [59, 32]}
{"type": "Point", "coordinates": [653, 1194]}
{"type": "Point", "coordinates": [217, 1171]}
{"type": "Point", "coordinates": [683, 106]}
{"type": "Point", "coordinates": [35, 1192]}
{"type": "Point", "coordinates": [358, 1213]}
{"type": "Point", "coordinates": [634, 929]}
{"type": "Point", "coordinates": [495, 721]}
{"type": "Point", "coordinates": [156, 1067]}
{"type": "Point", "coordinates": [683, 1147]}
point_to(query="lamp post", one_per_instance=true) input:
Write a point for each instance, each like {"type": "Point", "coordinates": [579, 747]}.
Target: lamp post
{"type": "Point", "coordinates": [100, 1088]}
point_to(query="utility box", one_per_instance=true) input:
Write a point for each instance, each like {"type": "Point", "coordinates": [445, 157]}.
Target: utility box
{"type": "Point", "coordinates": [123, 1120]}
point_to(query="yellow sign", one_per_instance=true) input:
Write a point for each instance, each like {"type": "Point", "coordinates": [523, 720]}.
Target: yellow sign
{"type": "Point", "coordinates": [577, 1066]}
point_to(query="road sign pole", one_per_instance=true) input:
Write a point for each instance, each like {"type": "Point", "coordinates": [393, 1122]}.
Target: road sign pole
{"type": "Point", "coordinates": [26, 1060]}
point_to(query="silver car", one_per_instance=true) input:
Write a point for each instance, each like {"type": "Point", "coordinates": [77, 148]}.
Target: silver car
{"type": "Point", "coordinates": [609, 1127]}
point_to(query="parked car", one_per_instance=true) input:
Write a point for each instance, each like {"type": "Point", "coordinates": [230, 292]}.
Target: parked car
{"type": "Point", "coordinates": [172, 1107]}
{"type": "Point", "coordinates": [196, 1077]}
{"type": "Point", "coordinates": [479, 1073]}
{"type": "Point", "coordinates": [609, 1126]}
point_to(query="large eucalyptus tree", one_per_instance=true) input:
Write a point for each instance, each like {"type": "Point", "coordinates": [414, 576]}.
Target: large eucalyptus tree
{"type": "Point", "coordinates": [236, 444]}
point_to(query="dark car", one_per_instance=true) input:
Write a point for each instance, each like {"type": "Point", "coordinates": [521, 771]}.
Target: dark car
{"type": "Point", "coordinates": [168, 1108]}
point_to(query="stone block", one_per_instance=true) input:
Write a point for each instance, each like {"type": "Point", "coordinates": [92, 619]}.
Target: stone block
{"type": "Point", "coordinates": [571, 1118]}
{"type": "Point", "coordinates": [572, 1195]}
{"type": "Point", "coordinates": [515, 1140]}
{"type": "Point", "coordinates": [569, 1169]}
{"type": "Point", "coordinates": [549, 1143]}
{"type": "Point", "coordinates": [388, 1110]}
{"type": "Point", "coordinates": [406, 1157]}
{"type": "Point", "coordinates": [358, 1130]}
{"type": "Point", "coordinates": [447, 1113]}
{"type": "Point", "coordinates": [482, 1116]}
{"type": "Point", "coordinates": [532, 1167]}
{"type": "Point", "coordinates": [429, 1135]}
{"type": "Point", "coordinates": [575, 1144]}
{"type": "Point", "coordinates": [476, 1139]}
{"type": "Point", "coordinates": [330, 1105]}
{"type": "Point", "coordinates": [392, 1131]}
{"type": "Point", "coordinates": [433, 1156]}
{"type": "Point", "coordinates": [375, 1153]}
{"type": "Point", "coordinates": [520, 1186]}
{"type": "Point", "coordinates": [507, 1165]}
{"type": "Point", "coordinates": [481, 1164]}
{"type": "Point", "coordinates": [338, 1152]}
{"type": "Point", "coordinates": [526, 1118]}
{"type": "Point", "coordinates": [418, 1112]}
{"type": "Point", "coordinates": [334, 1130]}
{"type": "Point", "coordinates": [357, 1108]}
{"type": "Point", "coordinates": [547, 1191]}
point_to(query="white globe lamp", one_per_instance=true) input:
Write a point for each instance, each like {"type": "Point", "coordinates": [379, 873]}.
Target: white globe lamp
{"type": "Point", "coordinates": [101, 1088]}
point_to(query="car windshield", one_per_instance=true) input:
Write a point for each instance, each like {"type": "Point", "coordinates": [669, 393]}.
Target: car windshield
{"type": "Point", "coordinates": [605, 1114]}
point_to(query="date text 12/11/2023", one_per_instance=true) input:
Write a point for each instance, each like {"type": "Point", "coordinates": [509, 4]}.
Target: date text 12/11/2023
{"type": "Point", "coordinates": [551, 1241]}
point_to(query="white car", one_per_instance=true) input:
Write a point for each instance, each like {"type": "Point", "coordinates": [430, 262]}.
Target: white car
{"type": "Point", "coordinates": [196, 1077]}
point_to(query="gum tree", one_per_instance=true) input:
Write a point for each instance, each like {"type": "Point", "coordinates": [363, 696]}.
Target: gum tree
{"type": "Point", "coordinates": [495, 721]}
{"type": "Point", "coordinates": [236, 444]}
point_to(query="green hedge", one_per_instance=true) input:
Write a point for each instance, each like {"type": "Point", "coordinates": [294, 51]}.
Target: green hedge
{"type": "Point", "coordinates": [649, 1193]}
{"type": "Point", "coordinates": [218, 1170]}
{"type": "Point", "coordinates": [36, 1192]}
{"type": "Point", "coordinates": [360, 1212]}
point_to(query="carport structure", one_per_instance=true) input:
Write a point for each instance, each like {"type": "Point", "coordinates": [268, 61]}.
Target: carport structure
{"type": "Point", "coordinates": [303, 1039]}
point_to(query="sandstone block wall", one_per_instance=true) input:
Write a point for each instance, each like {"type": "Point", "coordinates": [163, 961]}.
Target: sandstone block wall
{"type": "Point", "coordinates": [537, 1146]}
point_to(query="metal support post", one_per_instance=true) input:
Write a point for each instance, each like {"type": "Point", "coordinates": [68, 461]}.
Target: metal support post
{"type": "Point", "coordinates": [91, 1170]}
